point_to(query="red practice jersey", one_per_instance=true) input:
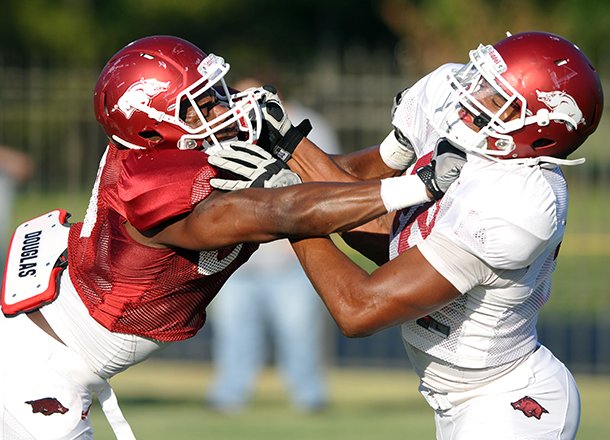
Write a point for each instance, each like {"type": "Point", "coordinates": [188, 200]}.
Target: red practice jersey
{"type": "Point", "coordinates": [131, 288]}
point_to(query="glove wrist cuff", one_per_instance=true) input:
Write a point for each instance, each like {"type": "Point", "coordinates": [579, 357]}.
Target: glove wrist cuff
{"type": "Point", "coordinates": [286, 146]}
{"type": "Point", "coordinates": [427, 176]}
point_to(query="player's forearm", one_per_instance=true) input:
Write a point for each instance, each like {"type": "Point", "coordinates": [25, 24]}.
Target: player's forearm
{"type": "Point", "coordinates": [261, 215]}
{"type": "Point", "coordinates": [343, 286]}
{"type": "Point", "coordinates": [364, 164]}
{"type": "Point", "coordinates": [312, 164]}
{"type": "Point", "coordinates": [326, 266]}
{"type": "Point", "coordinates": [316, 209]}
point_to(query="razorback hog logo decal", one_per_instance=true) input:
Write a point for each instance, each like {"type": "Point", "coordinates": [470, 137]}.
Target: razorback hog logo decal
{"type": "Point", "coordinates": [140, 94]}
{"type": "Point", "coordinates": [529, 407]}
{"type": "Point", "coordinates": [561, 102]}
{"type": "Point", "coordinates": [47, 406]}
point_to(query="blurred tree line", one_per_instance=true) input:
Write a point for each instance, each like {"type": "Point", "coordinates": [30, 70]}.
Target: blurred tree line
{"type": "Point", "coordinates": [420, 33]}
{"type": "Point", "coordinates": [245, 32]}
{"type": "Point", "coordinates": [436, 31]}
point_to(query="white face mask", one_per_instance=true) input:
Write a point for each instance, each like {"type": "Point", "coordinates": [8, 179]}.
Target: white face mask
{"type": "Point", "coordinates": [241, 108]}
{"type": "Point", "coordinates": [478, 94]}
{"type": "Point", "coordinates": [446, 119]}
{"type": "Point", "coordinates": [242, 111]}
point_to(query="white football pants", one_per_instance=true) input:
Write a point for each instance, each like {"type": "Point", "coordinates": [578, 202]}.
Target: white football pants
{"type": "Point", "coordinates": [46, 388]}
{"type": "Point", "coordinates": [538, 400]}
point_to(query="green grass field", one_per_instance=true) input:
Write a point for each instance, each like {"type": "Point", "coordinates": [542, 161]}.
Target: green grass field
{"type": "Point", "coordinates": [163, 400]}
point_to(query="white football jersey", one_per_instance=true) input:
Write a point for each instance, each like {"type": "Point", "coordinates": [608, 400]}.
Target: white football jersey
{"type": "Point", "coordinates": [422, 109]}
{"type": "Point", "coordinates": [494, 236]}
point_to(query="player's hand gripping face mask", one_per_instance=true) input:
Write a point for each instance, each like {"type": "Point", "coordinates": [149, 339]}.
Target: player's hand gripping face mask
{"type": "Point", "coordinates": [278, 135]}
{"type": "Point", "coordinates": [164, 92]}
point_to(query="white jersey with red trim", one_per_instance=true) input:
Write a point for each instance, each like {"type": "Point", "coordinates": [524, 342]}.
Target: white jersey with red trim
{"type": "Point", "coordinates": [494, 236]}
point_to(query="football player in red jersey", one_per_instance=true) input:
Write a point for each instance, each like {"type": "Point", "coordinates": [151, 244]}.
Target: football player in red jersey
{"type": "Point", "coordinates": [157, 241]}
{"type": "Point", "coordinates": [468, 274]}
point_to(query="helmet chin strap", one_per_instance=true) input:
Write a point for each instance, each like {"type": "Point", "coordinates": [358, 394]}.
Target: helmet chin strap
{"type": "Point", "coordinates": [501, 154]}
{"type": "Point", "coordinates": [529, 161]}
{"type": "Point", "coordinates": [542, 118]}
{"type": "Point", "coordinates": [127, 144]}
{"type": "Point", "coordinates": [541, 160]}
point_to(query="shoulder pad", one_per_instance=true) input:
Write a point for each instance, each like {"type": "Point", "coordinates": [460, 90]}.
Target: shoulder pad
{"type": "Point", "coordinates": [506, 217]}
{"type": "Point", "coordinates": [158, 185]}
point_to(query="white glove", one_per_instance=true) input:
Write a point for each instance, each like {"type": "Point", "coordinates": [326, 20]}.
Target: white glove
{"type": "Point", "coordinates": [278, 136]}
{"type": "Point", "coordinates": [443, 170]}
{"type": "Point", "coordinates": [257, 166]}
{"type": "Point", "coordinates": [396, 151]}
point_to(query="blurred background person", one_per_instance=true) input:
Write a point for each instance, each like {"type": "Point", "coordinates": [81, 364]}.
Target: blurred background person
{"type": "Point", "coordinates": [270, 301]}
{"type": "Point", "coordinates": [15, 169]}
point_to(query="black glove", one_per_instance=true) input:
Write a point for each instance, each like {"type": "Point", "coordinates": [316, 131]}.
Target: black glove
{"type": "Point", "coordinates": [443, 170]}
{"type": "Point", "coordinates": [256, 165]}
{"type": "Point", "coordinates": [278, 135]}
{"type": "Point", "coordinates": [397, 101]}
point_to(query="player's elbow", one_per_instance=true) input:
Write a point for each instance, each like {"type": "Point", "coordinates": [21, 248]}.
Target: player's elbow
{"type": "Point", "coordinates": [356, 325]}
{"type": "Point", "coordinates": [351, 331]}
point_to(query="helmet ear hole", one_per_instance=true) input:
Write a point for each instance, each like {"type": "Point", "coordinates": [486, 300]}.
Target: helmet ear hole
{"type": "Point", "coordinates": [542, 143]}
{"type": "Point", "coordinates": [105, 104]}
{"type": "Point", "coordinates": [151, 135]}
{"type": "Point", "coordinates": [185, 104]}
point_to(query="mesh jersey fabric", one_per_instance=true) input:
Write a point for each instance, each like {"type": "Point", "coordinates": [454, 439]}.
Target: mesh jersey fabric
{"type": "Point", "coordinates": [489, 325]}
{"type": "Point", "coordinates": [131, 288]}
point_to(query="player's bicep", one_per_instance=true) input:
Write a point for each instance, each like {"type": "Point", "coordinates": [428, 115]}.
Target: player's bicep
{"type": "Point", "coordinates": [221, 220]}
{"type": "Point", "coordinates": [425, 278]}
{"type": "Point", "coordinates": [409, 287]}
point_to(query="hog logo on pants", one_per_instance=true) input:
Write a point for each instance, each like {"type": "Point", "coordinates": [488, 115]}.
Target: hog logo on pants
{"type": "Point", "coordinates": [529, 407]}
{"type": "Point", "coordinates": [47, 406]}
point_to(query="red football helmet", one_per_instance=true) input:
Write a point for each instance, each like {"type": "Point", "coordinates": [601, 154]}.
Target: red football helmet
{"type": "Point", "coordinates": [532, 94]}
{"type": "Point", "coordinates": [147, 96]}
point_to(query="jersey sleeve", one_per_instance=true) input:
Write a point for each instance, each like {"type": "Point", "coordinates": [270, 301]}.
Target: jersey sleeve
{"type": "Point", "coordinates": [505, 215]}
{"type": "Point", "coordinates": [458, 266]}
{"type": "Point", "coordinates": [409, 116]}
{"type": "Point", "coordinates": [156, 186]}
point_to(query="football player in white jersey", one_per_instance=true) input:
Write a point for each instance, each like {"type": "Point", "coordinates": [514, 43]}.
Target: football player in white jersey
{"type": "Point", "coordinates": [468, 273]}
